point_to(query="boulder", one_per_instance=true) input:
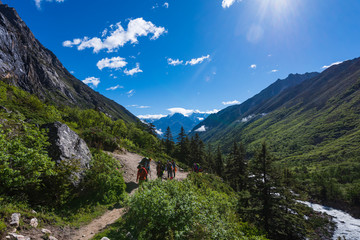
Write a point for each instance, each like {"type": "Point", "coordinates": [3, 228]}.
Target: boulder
{"type": "Point", "coordinates": [52, 238]}
{"type": "Point", "coordinates": [105, 238]}
{"type": "Point", "coordinates": [34, 222]}
{"type": "Point", "coordinates": [46, 231]}
{"type": "Point", "coordinates": [14, 236]}
{"type": "Point", "coordinates": [66, 145]}
{"type": "Point", "coordinates": [15, 219]}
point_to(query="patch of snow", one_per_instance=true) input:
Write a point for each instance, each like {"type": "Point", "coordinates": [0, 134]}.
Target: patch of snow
{"type": "Point", "coordinates": [201, 129]}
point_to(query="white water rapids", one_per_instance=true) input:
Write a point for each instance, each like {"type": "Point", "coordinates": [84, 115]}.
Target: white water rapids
{"type": "Point", "coordinates": [347, 226]}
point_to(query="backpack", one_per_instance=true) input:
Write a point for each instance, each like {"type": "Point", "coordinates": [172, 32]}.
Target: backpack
{"type": "Point", "coordinates": [142, 174]}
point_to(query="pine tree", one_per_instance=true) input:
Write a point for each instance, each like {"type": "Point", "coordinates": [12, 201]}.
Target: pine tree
{"type": "Point", "coordinates": [183, 147]}
{"type": "Point", "coordinates": [272, 201]}
{"type": "Point", "coordinates": [197, 150]}
{"type": "Point", "coordinates": [236, 169]}
{"type": "Point", "coordinates": [219, 162]}
{"type": "Point", "coordinates": [169, 142]}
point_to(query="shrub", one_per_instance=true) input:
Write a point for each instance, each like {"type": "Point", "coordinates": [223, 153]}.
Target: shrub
{"type": "Point", "coordinates": [103, 181]}
{"type": "Point", "coordinates": [180, 210]}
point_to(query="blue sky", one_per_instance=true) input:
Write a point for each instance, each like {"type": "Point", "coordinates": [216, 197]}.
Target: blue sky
{"type": "Point", "coordinates": [155, 57]}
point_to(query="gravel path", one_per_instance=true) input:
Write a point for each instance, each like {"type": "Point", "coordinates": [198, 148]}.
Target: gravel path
{"type": "Point", "coordinates": [129, 161]}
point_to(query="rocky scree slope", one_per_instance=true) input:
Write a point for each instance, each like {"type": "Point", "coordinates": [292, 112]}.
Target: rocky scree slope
{"type": "Point", "coordinates": [26, 63]}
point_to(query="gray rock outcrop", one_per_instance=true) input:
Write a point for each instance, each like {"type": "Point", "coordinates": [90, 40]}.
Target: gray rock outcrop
{"type": "Point", "coordinates": [15, 219]}
{"type": "Point", "coordinates": [66, 145]}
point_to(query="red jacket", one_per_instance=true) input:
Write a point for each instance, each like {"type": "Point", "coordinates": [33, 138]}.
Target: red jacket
{"type": "Point", "coordinates": [141, 174]}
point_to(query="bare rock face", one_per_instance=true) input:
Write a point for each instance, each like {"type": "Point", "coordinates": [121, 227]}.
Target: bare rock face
{"type": "Point", "coordinates": [27, 64]}
{"type": "Point", "coordinates": [66, 145]}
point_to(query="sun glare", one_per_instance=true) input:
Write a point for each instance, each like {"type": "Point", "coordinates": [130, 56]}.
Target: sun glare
{"type": "Point", "coordinates": [277, 9]}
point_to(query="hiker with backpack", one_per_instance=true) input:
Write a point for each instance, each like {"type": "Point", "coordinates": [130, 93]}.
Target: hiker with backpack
{"type": "Point", "coordinates": [159, 170]}
{"type": "Point", "coordinates": [146, 163]}
{"type": "Point", "coordinates": [169, 169]}
{"type": "Point", "coordinates": [174, 167]}
{"type": "Point", "coordinates": [141, 174]}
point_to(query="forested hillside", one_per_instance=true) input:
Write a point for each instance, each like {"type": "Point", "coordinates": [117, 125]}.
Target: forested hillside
{"type": "Point", "coordinates": [312, 128]}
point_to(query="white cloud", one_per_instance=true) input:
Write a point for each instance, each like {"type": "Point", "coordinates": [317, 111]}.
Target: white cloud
{"type": "Point", "coordinates": [113, 63]}
{"type": "Point", "coordinates": [114, 87]}
{"type": "Point", "coordinates": [149, 116]}
{"type": "Point", "coordinates": [253, 66]}
{"type": "Point", "coordinates": [274, 70]}
{"type": "Point", "coordinates": [174, 62]}
{"type": "Point", "coordinates": [38, 2]}
{"type": "Point", "coordinates": [195, 61]}
{"type": "Point", "coordinates": [200, 119]}
{"type": "Point", "coordinates": [191, 62]}
{"type": "Point", "coordinates": [130, 93]}
{"type": "Point", "coordinates": [72, 43]}
{"type": "Point", "coordinates": [201, 129]}
{"type": "Point", "coordinates": [166, 4]}
{"type": "Point", "coordinates": [188, 112]}
{"type": "Point", "coordinates": [92, 80]}
{"type": "Point", "coordinates": [133, 71]}
{"type": "Point", "coordinates": [142, 107]}
{"type": "Point", "coordinates": [118, 36]}
{"type": "Point", "coordinates": [228, 3]}
{"type": "Point", "coordinates": [183, 111]}
{"type": "Point", "coordinates": [231, 102]}
{"type": "Point", "coordinates": [333, 64]}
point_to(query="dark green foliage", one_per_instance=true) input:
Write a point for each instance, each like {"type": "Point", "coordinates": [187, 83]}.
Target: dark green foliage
{"type": "Point", "coordinates": [104, 182]}
{"type": "Point", "coordinates": [181, 210]}
{"type": "Point", "coordinates": [24, 163]}
{"type": "Point", "coordinates": [219, 162]}
{"type": "Point", "coordinates": [169, 142]}
{"type": "Point", "coordinates": [236, 169]}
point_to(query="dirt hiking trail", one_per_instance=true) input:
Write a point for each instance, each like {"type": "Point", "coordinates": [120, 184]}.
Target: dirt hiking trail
{"type": "Point", "coordinates": [129, 162]}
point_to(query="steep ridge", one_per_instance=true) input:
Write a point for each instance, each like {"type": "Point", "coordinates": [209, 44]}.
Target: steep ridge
{"type": "Point", "coordinates": [26, 63]}
{"type": "Point", "coordinates": [225, 117]}
{"type": "Point", "coordinates": [317, 119]}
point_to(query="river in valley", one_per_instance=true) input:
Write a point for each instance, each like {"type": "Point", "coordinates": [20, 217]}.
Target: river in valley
{"type": "Point", "coordinates": [347, 226]}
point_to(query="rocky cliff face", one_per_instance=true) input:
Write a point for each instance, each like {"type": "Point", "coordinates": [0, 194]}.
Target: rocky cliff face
{"type": "Point", "coordinates": [26, 63]}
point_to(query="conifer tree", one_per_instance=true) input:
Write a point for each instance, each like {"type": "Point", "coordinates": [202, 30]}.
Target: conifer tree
{"type": "Point", "coordinates": [197, 150]}
{"type": "Point", "coordinates": [236, 170]}
{"type": "Point", "coordinates": [272, 201]}
{"type": "Point", "coordinates": [219, 162]}
{"type": "Point", "coordinates": [183, 147]}
{"type": "Point", "coordinates": [169, 141]}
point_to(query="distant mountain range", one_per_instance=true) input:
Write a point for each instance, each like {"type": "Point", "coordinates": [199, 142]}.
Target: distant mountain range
{"type": "Point", "coordinates": [26, 63]}
{"type": "Point", "coordinates": [176, 121]}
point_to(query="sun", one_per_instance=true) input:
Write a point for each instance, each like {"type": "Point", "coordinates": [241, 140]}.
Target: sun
{"type": "Point", "coordinates": [279, 11]}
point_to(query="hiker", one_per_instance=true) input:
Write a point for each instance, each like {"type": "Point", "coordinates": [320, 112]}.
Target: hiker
{"type": "Point", "coordinates": [146, 163]}
{"type": "Point", "coordinates": [197, 168]}
{"type": "Point", "coordinates": [174, 167]}
{"type": "Point", "coordinates": [159, 170]}
{"type": "Point", "coordinates": [141, 174]}
{"type": "Point", "coordinates": [169, 169]}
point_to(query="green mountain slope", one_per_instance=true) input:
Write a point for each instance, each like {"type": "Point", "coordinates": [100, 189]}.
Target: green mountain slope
{"type": "Point", "coordinates": [217, 122]}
